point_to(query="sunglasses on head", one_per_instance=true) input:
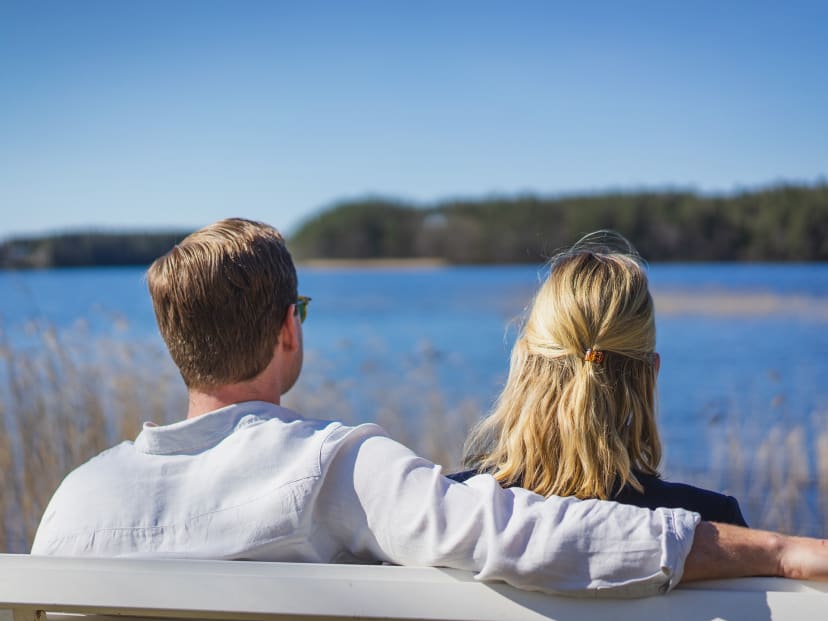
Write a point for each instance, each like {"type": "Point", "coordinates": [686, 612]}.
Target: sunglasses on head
{"type": "Point", "coordinates": [301, 305]}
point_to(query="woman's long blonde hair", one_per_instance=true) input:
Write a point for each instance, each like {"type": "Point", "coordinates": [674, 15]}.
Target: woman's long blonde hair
{"type": "Point", "coordinates": [565, 425]}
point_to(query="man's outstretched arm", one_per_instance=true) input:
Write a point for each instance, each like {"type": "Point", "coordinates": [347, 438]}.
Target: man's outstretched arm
{"type": "Point", "coordinates": [382, 502]}
{"type": "Point", "coordinates": [726, 551]}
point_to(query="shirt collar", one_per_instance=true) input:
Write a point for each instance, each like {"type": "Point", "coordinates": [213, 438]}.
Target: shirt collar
{"type": "Point", "coordinates": [196, 434]}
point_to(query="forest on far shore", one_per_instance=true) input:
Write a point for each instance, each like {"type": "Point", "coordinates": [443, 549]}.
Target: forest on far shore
{"type": "Point", "coordinates": [782, 223]}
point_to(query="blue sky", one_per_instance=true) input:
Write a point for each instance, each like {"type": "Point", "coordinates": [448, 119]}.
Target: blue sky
{"type": "Point", "coordinates": [120, 115]}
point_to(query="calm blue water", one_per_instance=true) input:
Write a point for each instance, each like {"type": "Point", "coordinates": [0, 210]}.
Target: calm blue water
{"type": "Point", "coordinates": [751, 370]}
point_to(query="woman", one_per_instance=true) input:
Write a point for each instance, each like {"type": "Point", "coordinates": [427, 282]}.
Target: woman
{"type": "Point", "coordinates": [577, 415]}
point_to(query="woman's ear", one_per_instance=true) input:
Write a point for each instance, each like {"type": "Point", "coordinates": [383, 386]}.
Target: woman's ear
{"type": "Point", "coordinates": [656, 361]}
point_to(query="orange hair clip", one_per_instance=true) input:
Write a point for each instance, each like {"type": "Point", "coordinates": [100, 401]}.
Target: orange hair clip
{"type": "Point", "coordinates": [594, 356]}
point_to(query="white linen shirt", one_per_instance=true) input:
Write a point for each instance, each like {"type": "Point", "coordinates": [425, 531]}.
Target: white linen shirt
{"type": "Point", "coordinates": [256, 481]}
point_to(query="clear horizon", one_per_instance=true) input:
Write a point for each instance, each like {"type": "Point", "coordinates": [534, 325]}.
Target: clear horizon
{"type": "Point", "coordinates": [160, 116]}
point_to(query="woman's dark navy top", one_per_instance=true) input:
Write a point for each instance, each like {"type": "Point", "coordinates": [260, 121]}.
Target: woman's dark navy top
{"type": "Point", "coordinates": [712, 506]}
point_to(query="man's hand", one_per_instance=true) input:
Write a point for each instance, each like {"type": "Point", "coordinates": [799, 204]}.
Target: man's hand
{"type": "Point", "coordinates": [726, 551]}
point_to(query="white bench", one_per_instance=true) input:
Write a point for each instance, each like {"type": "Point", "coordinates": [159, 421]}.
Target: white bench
{"type": "Point", "coordinates": [51, 588]}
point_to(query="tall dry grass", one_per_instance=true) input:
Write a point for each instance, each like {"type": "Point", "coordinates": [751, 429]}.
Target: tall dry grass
{"type": "Point", "coordinates": [780, 480]}
{"type": "Point", "coordinates": [65, 396]}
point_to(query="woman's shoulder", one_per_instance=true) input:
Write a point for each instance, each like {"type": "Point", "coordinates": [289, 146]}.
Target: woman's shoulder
{"type": "Point", "coordinates": [460, 477]}
{"type": "Point", "coordinates": [713, 506]}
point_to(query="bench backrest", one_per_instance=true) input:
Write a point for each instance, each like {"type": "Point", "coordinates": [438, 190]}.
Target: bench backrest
{"type": "Point", "coordinates": [37, 587]}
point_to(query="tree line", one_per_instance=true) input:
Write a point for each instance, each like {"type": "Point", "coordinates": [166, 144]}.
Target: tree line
{"type": "Point", "coordinates": [87, 249]}
{"type": "Point", "coordinates": [783, 223]}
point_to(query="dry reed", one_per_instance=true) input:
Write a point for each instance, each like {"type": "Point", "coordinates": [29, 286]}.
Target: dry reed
{"type": "Point", "coordinates": [66, 396]}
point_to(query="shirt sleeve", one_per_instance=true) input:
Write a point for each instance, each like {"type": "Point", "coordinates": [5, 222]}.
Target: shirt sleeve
{"type": "Point", "coordinates": [382, 501]}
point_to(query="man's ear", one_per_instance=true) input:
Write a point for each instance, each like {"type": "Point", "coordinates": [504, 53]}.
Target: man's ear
{"type": "Point", "coordinates": [289, 332]}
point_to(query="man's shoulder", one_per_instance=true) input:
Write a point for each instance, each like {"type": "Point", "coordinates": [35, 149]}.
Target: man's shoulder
{"type": "Point", "coordinates": [258, 445]}
{"type": "Point", "coordinates": [130, 499]}
{"type": "Point", "coordinates": [97, 466]}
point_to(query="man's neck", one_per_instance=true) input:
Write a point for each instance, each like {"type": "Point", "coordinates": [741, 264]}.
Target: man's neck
{"type": "Point", "coordinates": [204, 400]}
{"type": "Point", "coordinates": [267, 386]}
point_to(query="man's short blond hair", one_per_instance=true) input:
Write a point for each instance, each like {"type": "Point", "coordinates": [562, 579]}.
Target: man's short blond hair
{"type": "Point", "coordinates": [220, 298]}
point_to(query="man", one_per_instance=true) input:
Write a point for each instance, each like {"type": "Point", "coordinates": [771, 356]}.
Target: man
{"type": "Point", "coordinates": [243, 478]}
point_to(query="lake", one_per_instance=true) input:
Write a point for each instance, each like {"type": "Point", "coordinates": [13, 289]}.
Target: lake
{"type": "Point", "coordinates": [744, 347]}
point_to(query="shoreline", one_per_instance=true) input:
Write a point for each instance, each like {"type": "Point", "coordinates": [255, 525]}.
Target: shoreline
{"type": "Point", "coordinates": [719, 303]}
